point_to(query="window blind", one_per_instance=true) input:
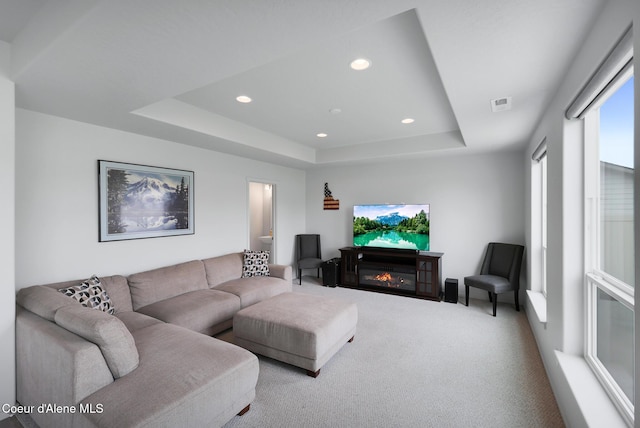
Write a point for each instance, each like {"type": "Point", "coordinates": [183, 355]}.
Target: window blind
{"type": "Point", "coordinates": [619, 60]}
{"type": "Point", "coordinates": [540, 151]}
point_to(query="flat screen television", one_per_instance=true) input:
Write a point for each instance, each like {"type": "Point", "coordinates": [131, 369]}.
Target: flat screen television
{"type": "Point", "coordinates": [403, 226]}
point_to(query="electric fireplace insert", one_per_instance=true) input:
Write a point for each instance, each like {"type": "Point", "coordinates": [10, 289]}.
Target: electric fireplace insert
{"type": "Point", "coordinates": [399, 278]}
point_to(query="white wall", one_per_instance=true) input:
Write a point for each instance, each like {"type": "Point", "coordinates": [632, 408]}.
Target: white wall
{"type": "Point", "coordinates": [473, 200]}
{"type": "Point", "coordinates": [7, 231]}
{"type": "Point", "coordinates": [561, 339]}
{"type": "Point", "coordinates": [57, 201]}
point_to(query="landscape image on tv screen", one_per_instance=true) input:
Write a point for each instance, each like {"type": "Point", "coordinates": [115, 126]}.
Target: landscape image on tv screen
{"type": "Point", "coordinates": [402, 226]}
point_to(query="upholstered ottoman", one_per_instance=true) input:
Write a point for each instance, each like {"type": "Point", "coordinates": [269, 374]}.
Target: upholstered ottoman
{"type": "Point", "coordinates": [298, 329]}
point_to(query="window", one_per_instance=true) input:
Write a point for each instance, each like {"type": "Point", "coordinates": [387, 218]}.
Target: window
{"type": "Point", "coordinates": [609, 239]}
{"type": "Point", "coordinates": [537, 294]}
{"type": "Point", "coordinates": [539, 217]}
{"type": "Point", "coordinates": [606, 105]}
{"type": "Point", "coordinates": [543, 216]}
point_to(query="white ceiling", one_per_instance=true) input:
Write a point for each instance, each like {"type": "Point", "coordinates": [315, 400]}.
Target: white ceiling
{"type": "Point", "coordinates": [172, 69]}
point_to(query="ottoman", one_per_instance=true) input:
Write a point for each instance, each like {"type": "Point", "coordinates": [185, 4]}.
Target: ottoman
{"type": "Point", "coordinates": [298, 329]}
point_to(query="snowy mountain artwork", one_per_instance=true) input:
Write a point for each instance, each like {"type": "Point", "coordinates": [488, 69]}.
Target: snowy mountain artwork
{"type": "Point", "coordinates": [141, 201]}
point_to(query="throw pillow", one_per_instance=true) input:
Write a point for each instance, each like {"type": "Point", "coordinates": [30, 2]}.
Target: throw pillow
{"type": "Point", "coordinates": [256, 263]}
{"type": "Point", "coordinates": [90, 294]}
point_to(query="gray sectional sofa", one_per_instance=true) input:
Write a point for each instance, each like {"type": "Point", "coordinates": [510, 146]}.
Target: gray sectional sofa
{"type": "Point", "coordinates": [151, 362]}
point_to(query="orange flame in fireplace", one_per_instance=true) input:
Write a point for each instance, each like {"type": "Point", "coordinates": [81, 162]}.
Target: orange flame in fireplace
{"type": "Point", "coordinates": [386, 276]}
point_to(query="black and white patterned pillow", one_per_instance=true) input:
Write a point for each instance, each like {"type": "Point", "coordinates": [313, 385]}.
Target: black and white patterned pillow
{"type": "Point", "coordinates": [90, 294]}
{"type": "Point", "coordinates": [256, 263]}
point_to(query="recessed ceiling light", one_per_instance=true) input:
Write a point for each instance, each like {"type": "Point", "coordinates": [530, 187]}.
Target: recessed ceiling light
{"type": "Point", "coordinates": [407, 121]}
{"type": "Point", "coordinates": [360, 64]}
{"type": "Point", "coordinates": [243, 99]}
{"type": "Point", "coordinates": [321, 135]}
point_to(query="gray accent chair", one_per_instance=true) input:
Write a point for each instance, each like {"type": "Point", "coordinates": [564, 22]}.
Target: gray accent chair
{"type": "Point", "coordinates": [308, 253]}
{"type": "Point", "coordinates": [500, 273]}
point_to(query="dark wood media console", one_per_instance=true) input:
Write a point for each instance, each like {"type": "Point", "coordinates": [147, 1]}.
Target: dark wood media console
{"type": "Point", "coordinates": [403, 272]}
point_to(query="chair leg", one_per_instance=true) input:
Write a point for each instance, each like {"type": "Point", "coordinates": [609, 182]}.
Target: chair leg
{"type": "Point", "coordinates": [495, 303]}
{"type": "Point", "coordinates": [466, 292]}
{"type": "Point", "coordinates": [300, 276]}
{"type": "Point", "coordinates": [517, 302]}
{"type": "Point", "coordinates": [491, 300]}
{"type": "Point", "coordinates": [318, 275]}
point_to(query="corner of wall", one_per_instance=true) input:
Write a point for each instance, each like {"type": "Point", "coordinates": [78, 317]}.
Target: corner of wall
{"type": "Point", "coordinates": [7, 232]}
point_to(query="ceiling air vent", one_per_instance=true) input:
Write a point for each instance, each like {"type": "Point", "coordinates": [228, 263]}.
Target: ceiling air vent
{"type": "Point", "coordinates": [501, 104]}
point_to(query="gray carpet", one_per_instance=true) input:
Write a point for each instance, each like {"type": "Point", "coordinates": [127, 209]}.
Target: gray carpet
{"type": "Point", "coordinates": [413, 363]}
{"type": "Point", "coordinates": [11, 422]}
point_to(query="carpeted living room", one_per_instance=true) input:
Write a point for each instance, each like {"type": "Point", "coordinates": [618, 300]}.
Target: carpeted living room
{"type": "Point", "coordinates": [160, 161]}
{"type": "Point", "coordinates": [413, 363]}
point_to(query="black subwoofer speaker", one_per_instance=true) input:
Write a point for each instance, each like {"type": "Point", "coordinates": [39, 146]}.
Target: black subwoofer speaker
{"type": "Point", "coordinates": [331, 272]}
{"type": "Point", "coordinates": [451, 290]}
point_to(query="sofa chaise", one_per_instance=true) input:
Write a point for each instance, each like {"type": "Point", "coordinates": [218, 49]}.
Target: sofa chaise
{"type": "Point", "coordinates": [147, 359]}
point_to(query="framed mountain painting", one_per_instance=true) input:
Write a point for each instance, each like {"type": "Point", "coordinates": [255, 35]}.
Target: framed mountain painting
{"type": "Point", "coordinates": [138, 201]}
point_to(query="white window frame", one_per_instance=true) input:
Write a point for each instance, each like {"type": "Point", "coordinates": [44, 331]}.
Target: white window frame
{"type": "Point", "coordinates": [595, 283]}
{"type": "Point", "coordinates": [595, 278]}
{"type": "Point", "coordinates": [544, 224]}
{"type": "Point", "coordinates": [537, 294]}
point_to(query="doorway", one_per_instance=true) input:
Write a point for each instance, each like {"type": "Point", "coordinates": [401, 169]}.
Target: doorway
{"type": "Point", "coordinates": [261, 216]}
